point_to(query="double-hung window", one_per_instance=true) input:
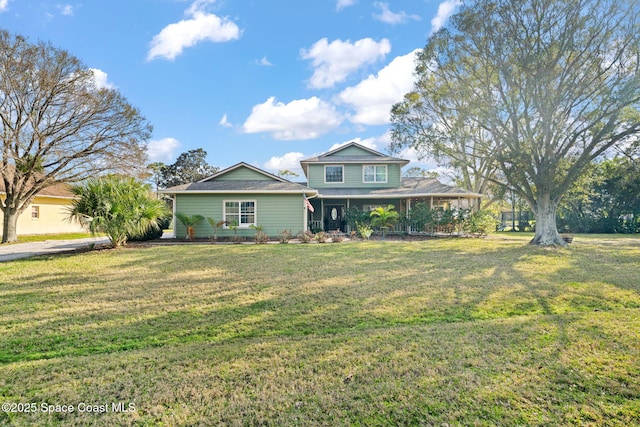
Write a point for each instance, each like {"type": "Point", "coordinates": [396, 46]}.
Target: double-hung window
{"type": "Point", "coordinates": [240, 212]}
{"type": "Point", "coordinates": [374, 173]}
{"type": "Point", "coordinates": [333, 173]}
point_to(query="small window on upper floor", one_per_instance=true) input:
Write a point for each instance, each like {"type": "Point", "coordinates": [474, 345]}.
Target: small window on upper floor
{"type": "Point", "coordinates": [333, 174]}
{"type": "Point", "coordinates": [374, 173]}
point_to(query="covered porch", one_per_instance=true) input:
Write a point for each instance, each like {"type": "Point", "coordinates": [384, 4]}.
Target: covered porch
{"type": "Point", "coordinates": [338, 214]}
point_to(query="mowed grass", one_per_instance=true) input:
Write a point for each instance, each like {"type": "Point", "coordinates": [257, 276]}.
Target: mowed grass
{"type": "Point", "coordinates": [468, 332]}
{"type": "Point", "coordinates": [29, 238]}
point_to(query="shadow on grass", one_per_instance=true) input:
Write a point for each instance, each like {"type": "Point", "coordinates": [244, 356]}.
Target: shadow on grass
{"type": "Point", "coordinates": [161, 296]}
{"type": "Point", "coordinates": [370, 334]}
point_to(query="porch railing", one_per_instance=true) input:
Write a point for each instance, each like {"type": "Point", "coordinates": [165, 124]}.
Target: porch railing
{"type": "Point", "coordinates": [315, 225]}
{"type": "Point", "coordinates": [403, 228]}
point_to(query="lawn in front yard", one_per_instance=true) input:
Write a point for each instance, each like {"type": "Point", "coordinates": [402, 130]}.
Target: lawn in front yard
{"type": "Point", "coordinates": [471, 332]}
{"type": "Point", "coordinates": [29, 238]}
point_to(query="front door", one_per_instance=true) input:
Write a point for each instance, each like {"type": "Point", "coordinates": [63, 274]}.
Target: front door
{"type": "Point", "coordinates": [333, 217]}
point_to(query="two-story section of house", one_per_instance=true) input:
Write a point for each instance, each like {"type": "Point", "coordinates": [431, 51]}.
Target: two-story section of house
{"type": "Point", "coordinates": [349, 176]}
{"type": "Point", "coordinates": [356, 176]}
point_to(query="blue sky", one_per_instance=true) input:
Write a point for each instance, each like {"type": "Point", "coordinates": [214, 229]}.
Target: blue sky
{"type": "Point", "coordinates": [265, 82]}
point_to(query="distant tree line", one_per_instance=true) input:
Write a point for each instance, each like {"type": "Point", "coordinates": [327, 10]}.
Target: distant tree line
{"type": "Point", "coordinates": [606, 199]}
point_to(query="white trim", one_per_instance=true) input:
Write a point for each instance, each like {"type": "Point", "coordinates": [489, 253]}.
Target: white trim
{"type": "Point", "coordinates": [352, 144]}
{"type": "Point", "coordinates": [175, 209]}
{"type": "Point", "coordinates": [333, 166]}
{"type": "Point", "coordinates": [239, 202]}
{"type": "Point", "coordinates": [246, 165]}
{"type": "Point", "coordinates": [49, 197]}
{"type": "Point", "coordinates": [305, 215]}
{"type": "Point", "coordinates": [375, 174]}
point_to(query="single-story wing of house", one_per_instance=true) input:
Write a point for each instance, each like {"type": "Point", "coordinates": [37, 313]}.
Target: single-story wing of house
{"type": "Point", "coordinates": [47, 213]}
{"type": "Point", "coordinates": [349, 176]}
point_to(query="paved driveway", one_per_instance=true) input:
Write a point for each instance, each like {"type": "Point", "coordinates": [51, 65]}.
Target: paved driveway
{"type": "Point", "coordinates": [26, 250]}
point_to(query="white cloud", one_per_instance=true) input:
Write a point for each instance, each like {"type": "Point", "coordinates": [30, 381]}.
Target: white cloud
{"type": "Point", "coordinates": [201, 26]}
{"type": "Point", "coordinates": [224, 121]}
{"type": "Point", "coordinates": [290, 161]}
{"type": "Point", "coordinates": [334, 61]}
{"type": "Point", "coordinates": [4, 5]}
{"type": "Point", "coordinates": [100, 79]}
{"type": "Point", "coordinates": [392, 18]}
{"type": "Point", "coordinates": [445, 10]}
{"type": "Point", "coordinates": [299, 119]}
{"type": "Point", "coordinates": [66, 9]}
{"type": "Point", "coordinates": [344, 3]}
{"type": "Point", "coordinates": [162, 150]}
{"type": "Point", "coordinates": [264, 62]}
{"type": "Point", "coordinates": [373, 97]}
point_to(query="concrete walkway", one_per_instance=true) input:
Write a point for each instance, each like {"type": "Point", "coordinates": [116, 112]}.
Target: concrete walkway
{"type": "Point", "coordinates": [27, 250]}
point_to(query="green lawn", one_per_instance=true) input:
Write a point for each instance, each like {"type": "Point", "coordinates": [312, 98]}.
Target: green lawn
{"type": "Point", "coordinates": [26, 238]}
{"type": "Point", "coordinates": [468, 332]}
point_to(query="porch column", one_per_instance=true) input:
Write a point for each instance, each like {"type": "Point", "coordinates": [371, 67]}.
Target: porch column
{"type": "Point", "coordinates": [322, 214]}
{"type": "Point", "coordinates": [173, 220]}
{"type": "Point", "coordinates": [408, 227]}
{"type": "Point", "coordinates": [305, 214]}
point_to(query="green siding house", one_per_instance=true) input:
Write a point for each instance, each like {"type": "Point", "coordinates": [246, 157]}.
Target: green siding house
{"type": "Point", "coordinates": [246, 196]}
{"type": "Point", "coordinates": [349, 176]}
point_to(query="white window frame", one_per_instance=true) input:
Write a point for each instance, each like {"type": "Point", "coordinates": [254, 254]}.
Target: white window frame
{"type": "Point", "coordinates": [35, 212]}
{"type": "Point", "coordinates": [333, 166]}
{"type": "Point", "coordinates": [375, 174]}
{"type": "Point", "coordinates": [239, 202]}
{"type": "Point", "coordinates": [371, 208]}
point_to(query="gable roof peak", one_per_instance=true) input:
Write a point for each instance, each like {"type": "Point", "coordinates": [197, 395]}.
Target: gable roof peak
{"type": "Point", "coordinates": [352, 144]}
{"type": "Point", "coordinates": [243, 165]}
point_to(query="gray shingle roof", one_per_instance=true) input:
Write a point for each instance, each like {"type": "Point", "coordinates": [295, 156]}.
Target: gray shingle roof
{"type": "Point", "coordinates": [258, 186]}
{"type": "Point", "coordinates": [410, 187]}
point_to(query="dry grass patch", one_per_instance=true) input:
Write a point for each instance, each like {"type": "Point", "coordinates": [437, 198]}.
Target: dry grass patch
{"type": "Point", "coordinates": [462, 332]}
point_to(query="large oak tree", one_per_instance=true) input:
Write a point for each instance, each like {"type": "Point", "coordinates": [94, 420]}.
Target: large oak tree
{"type": "Point", "coordinates": [58, 126]}
{"type": "Point", "coordinates": [541, 88]}
{"type": "Point", "coordinates": [190, 166]}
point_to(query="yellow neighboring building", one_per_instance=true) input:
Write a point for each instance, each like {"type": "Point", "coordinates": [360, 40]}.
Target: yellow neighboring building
{"type": "Point", "coordinates": [47, 212]}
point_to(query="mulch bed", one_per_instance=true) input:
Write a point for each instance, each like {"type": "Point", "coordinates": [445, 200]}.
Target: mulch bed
{"type": "Point", "coordinates": [229, 241]}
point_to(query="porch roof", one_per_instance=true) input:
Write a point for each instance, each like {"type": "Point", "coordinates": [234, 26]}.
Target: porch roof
{"type": "Point", "coordinates": [410, 187]}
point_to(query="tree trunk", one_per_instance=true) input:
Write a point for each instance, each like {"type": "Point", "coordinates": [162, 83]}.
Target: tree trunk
{"type": "Point", "coordinates": [546, 229]}
{"type": "Point", "coordinates": [9, 225]}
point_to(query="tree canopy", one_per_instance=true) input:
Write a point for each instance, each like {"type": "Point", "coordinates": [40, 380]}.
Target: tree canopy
{"type": "Point", "coordinates": [527, 94]}
{"type": "Point", "coordinates": [190, 166]}
{"type": "Point", "coordinates": [58, 125]}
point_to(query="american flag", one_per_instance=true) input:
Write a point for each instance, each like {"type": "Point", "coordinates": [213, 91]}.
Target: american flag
{"type": "Point", "coordinates": [308, 204]}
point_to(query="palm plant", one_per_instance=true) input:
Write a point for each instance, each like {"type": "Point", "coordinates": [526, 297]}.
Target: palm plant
{"type": "Point", "coordinates": [384, 218]}
{"type": "Point", "coordinates": [189, 223]}
{"type": "Point", "coordinates": [215, 225]}
{"type": "Point", "coordinates": [233, 225]}
{"type": "Point", "coordinates": [116, 206]}
{"type": "Point", "coordinates": [261, 236]}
